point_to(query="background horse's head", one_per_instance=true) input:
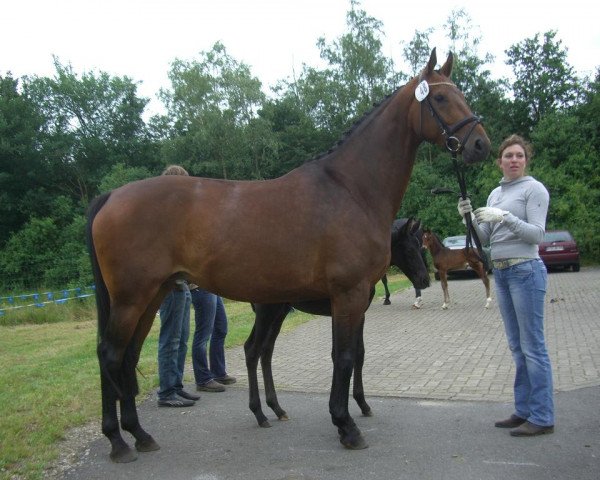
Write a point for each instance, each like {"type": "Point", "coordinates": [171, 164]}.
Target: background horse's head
{"type": "Point", "coordinates": [441, 115]}
{"type": "Point", "coordinates": [406, 251]}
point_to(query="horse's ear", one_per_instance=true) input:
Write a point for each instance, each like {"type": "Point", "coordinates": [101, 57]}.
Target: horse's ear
{"type": "Point", "coordinates": [416, 226]}
{"type": "Point", "coordinates": [446, 69]}
{"type": "Point", "coordinates": [410, 225]}
{"type": "Point", "coordinates": [432, 63]}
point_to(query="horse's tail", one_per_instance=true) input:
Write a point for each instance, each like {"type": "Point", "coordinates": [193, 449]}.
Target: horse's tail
{"type": "Point", "coordinates": [102, 298]}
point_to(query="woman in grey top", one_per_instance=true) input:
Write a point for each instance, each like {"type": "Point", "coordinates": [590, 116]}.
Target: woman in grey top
{"type": "Point", "coordinates": [513, 224]}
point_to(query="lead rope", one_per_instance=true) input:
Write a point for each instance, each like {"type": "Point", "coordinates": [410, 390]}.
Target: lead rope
{"type": "Point", "coordinates": [471, 232]}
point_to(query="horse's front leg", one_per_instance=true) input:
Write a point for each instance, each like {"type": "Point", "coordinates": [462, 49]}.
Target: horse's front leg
{"type": "Point", "coordinates": [358, 391]}
{"type": "Point", "coordinates": [346, 333]}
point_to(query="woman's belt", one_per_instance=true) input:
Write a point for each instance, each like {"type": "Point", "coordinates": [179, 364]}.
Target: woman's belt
{"type": "Point", "coordinates": [508, 262]}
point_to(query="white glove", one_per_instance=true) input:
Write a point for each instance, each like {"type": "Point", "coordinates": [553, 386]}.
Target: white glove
{"type": "Point", "coordinates": [490, 214]}
{"type": "Point", "coordinates": [464, 207]}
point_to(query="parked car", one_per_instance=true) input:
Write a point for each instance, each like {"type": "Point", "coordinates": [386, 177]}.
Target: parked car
{"type": "Point", "coordinates": [559, 249]}
{"type": "Point", "coordinates": [459, 242]}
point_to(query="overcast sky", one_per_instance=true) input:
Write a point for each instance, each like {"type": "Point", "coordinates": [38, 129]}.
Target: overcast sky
{"type": "Point", "coordinates": [140, 38]}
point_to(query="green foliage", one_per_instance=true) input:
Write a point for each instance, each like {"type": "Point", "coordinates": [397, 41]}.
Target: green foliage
{"type": "Point", "coordinates": [120, 174]}
{"type": "Point", "coordinates": [544, 81]}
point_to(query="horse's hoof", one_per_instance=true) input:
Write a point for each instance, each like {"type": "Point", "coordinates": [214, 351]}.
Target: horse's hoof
{"type": "Point", "coordinates": [387, 302]}
{"type": "Point", "coordinates": [356, 443]}
{"type": "Point", "coordinates": [148, 445]}
{"type": "Point", "coordinates": [445, 306]}
{"type": "Point", "coordinates": [123, 455]}
{"type": "Point", "coordinates": [367, 413]}
{"type": "Point", "coordinates": [284, 417]}
{"type": "Point", "coordinates": [264, 424]}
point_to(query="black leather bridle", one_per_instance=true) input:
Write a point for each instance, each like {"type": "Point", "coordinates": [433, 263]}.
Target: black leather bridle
{"type": "Point", "coordinates": [455, 146]}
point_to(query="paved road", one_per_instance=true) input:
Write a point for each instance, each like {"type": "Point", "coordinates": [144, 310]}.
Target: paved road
{"type": "Point", "coordinates": [436, 380]}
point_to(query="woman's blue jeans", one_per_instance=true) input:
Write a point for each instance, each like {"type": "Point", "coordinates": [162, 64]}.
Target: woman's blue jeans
{"type": "Point", "coordinates": [520, 291]}
{"type": "Point", "coordinates": [172, 341]}
{"type": "Point", "coordinates": [211, 324]}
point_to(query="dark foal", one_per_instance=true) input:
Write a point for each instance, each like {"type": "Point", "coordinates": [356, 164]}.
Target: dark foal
{"type": "Point", "coordinates": [402, 261]}
{"type": "Point", "coordinates": [406, 248]}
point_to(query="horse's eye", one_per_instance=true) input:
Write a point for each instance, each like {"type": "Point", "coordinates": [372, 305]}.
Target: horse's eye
{"type": "Point", "coordinates": [439, 98]}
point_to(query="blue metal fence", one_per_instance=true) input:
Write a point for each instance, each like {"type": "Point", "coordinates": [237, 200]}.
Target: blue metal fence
{"type": "Point", "coordinates": [37, 299]}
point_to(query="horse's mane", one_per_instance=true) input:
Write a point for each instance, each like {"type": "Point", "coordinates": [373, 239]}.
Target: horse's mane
{"type": "Point", "coordinates": [376, 107]}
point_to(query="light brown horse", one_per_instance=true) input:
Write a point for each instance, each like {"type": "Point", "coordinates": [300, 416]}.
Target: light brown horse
{"type": "Point", "coordinates": [322, 231]}
{"type": "Point", "coordinates": [445, 259]}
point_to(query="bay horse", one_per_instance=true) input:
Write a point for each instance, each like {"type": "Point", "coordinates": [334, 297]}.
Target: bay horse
{"type": "Point", "coordinates": [399, 258]}
{"type": "Point", "coordinates": [445, 259]}
{"type": "Point", "coordinates": [406, 250]}
{"type": "Point", "coordinates": [321, 231]}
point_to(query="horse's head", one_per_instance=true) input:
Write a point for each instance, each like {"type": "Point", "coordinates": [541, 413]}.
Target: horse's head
{"type": "Point", "coordinates": [406, 253]}
{"type": "Point", "coordinates": [427, 238]}
{"type": "Point", "coordinates": [441, 115]}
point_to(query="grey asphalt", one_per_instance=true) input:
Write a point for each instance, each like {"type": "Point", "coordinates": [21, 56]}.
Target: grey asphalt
{"type": "Point", "coordinates": [435, 379]}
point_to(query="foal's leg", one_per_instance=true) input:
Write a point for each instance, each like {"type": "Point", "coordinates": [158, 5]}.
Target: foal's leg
{"type": "Point", "coordinates": [266, 362]}
{"type": "Point", "coordinates": [260, 344]}
{"type": "Point", "coordinates": [481, 272]}
{"type": "Point", "coordinates": [358, 391]}
{"type": "Point", "coordinates": [387, 290]}
{"type": "Point", "coordinates": [346, 332]}
{"type": "Point", "coordinates": [444, 281]}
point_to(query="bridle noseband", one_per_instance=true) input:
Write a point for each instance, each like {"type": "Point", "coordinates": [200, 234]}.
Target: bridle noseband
{"type": "Point", "coordinates": [453, 144]}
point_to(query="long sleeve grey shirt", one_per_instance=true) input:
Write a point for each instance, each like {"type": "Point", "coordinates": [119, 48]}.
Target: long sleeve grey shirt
{"type": "Point", "coordinates": [521, 231]}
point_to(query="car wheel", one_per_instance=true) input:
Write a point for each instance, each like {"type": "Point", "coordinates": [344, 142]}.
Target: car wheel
{"type": "Point", "coordinates": [575, 267]}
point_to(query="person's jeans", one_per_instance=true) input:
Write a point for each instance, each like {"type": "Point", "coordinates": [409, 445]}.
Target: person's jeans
{"type": "Point", "coordinates": [520, 291]}
{"type": "Point", "coordinates": [211, 323]}
{"type": "Point", "coordinates": [172, 341]}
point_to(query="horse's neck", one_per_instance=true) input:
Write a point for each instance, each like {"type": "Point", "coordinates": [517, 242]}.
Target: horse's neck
{"type": "Point", "coordinates": [380, 155]}
{"type": "Point", "coordinates": [435, 246]}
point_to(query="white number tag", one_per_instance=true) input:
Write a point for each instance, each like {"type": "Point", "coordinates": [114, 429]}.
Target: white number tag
{"type": "Point", "coordinates": [422, 91]}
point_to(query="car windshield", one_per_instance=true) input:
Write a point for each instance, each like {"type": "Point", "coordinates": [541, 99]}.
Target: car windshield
{"type": "Point", "coordinates": [459, 241]}
{"type": "Point", "coordinates": [557, 237]}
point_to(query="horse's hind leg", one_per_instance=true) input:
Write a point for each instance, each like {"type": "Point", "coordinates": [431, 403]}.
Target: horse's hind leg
{"type": "Point", "coordinates": [266, 362]}
{"type": "Point", "coordinates": [120, 451]}
{"type": "Point", "coordinates": [444, 281]}
{"type": "Point", "coordinates": [479, 267]}
{"type": "Point", "coordinates": [260, 344]}
{"type": "Point", "coordinates": [358, 391]}
{"type": "Point", "coordinates": [384, 280]}
{"type": "Point", "coordinates": [129, 417]}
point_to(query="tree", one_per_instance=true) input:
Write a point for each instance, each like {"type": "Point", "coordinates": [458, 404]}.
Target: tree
{"type": "Point", "coordinates": [214, 102]}
{"type": "Point", "coordinates": [91, 122]}
{"type": "Point", "coordinates": [20, 163]}
{"type": "Point", "coordinates": [544, 81]}
{"type": "Point", "coordinates": [357, 76]}
{"type": "Point", "coordinates": [416, 52]}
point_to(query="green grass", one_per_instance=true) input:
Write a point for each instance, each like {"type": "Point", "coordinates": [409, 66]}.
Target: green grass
{"type": "Point", "coordinates": [49, 377]}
